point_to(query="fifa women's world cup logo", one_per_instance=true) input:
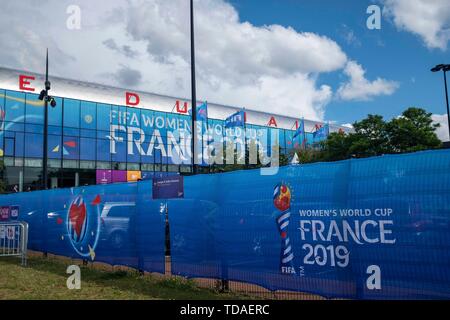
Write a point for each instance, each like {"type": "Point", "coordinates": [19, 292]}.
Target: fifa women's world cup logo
{"type": "Point", "coordinates": [83, 226]}
{"type": "Point", "coordinates": [282, 201]}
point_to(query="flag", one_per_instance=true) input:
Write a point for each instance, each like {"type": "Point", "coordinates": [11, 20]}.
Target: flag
{"type": "Point", "coordinates": [300, 130]}
{"type": "Point", "coordinates": [235, 120]}
{"type": "Point", "coordinates": [202, 112]}
{"type": "Point", "coordinates": [322, 132]}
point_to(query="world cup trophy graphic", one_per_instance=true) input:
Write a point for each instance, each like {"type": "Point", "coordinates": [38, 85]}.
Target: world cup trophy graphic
{"type": "Point", "coordinates": [282, 201]}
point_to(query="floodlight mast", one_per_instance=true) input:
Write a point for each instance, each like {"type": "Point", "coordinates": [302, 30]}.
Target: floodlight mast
{"type": "Point", "coordinates": [444, 68]}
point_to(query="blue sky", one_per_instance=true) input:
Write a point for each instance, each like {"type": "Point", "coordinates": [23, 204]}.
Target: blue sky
{"type": "Point", "coordinates": [389, 53]}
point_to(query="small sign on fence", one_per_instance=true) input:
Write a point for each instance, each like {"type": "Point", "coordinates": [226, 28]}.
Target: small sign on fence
{"type": "Point", "coordinates": [14, 212]}
{"type": "Point", "coordinates": [168, 187]}
{"type": "Point", "coordinates": [11, 232]}
{"type": "Point", "coordinates": [4, 213]}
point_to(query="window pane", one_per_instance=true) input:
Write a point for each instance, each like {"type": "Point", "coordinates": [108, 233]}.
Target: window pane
{"type": "Point", "coordinates": [9, 146]}
{"type": "Point", "coordinates": [118, 146]}
{"type": "Point", "coordinates": [103, 116]}
{"type": "Point", "coordinates": [71, 164]}
{"type": "Point", "coordinates": [71, 113]}
{"type": "Point", "coordinates": [54, 130]}
{"type": "Point", "coordinates": [103, 150]}
{"type": "Point", "coordinates": [14, 110]}
{"type": "Point", "coordinates": [88, 115]}
{"type": "Point", "coordinates": [18, 162]}
{"type": "Point", "coordinates": [37, 163]}
{"type": "Point", "coordinates": [54, 163]}
{"type": "Point", "coordinates": [103, 165]}
{"type": "Point", "coordinates": [34, 143]}
{"type": "Point", "coordinates": [87, 133]}
{"type": "Point", "coordinates": [133, 166]}
{"type": "Point", "coordinates": [87, 148]}
{"type": "Point", "coordinates": [19, 144]}
{"type": "Point", "coordinates": [71, 131]}
{"type": "Point", "coordinates": [133, 118]}
{"type": "Point", "coordinates": [132, 152]}
{"type": "Point", "coordinates": [87, 164]}
{"type": "Point", "coordinates": [55, 113]}
{"type": "Point", "coordinates": [34, 109]}
{"type": "Point", "coordinates": [34, 128]}
{"type": "Point", "coordinates": [147, 121]}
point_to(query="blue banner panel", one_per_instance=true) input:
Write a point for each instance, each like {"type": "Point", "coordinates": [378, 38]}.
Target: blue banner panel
{"type": "Point", "coordinates": [98, 223]}
{"type": "Point", "coordinates": [376, 228]}
{"type": "Point", "coordinates": [150, 229]}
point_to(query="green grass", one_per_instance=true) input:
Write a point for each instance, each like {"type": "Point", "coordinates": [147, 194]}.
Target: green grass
{"type": "Point", "coordinates": [45, 278]}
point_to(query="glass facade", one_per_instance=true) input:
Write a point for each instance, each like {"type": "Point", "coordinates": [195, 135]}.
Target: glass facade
{"type": "Point", "coordinates": [85, 136]}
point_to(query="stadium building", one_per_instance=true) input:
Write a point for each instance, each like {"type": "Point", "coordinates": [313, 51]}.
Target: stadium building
{"type": "Point", "coordinates": [103, 134]}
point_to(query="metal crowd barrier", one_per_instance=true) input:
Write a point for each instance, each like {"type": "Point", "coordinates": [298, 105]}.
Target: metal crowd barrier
{"type": "Point", "coordinates": [14, 240]}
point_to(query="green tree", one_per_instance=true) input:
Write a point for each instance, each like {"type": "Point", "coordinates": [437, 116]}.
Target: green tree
{"type": "Point", "coordinates": [337, 146]}
{"type": "Point", "coordinates": [370, 138]}
{"type": "Point", "coordinates": [413, 131]}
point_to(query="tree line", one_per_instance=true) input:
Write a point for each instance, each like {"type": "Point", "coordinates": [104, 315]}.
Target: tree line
{"type": "Point", "coordinates": [413, 131]}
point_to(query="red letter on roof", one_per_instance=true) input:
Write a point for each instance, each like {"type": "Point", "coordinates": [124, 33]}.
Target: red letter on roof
{"type": "Point", "coordinates": [182, 109]}
{"type": "Point", "coordinates": [130, 101]}
{"type": "Point", "coordinates": [24, 82]}
{"type": "Point", "coordinates": [272, 121]}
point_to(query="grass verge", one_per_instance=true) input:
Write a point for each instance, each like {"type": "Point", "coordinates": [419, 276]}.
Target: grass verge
{"type": "Point", "coordinates": [45, 278]}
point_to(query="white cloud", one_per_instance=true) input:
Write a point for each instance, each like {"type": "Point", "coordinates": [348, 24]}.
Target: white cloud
{"type": "Point", "coordinates": [349, 36]}
{"type": "Point", "coordinates": [271, 68]}
{"type": "Point", "coordinates": [429, 19]}
{"type": "Point", "coordinates": [145, 45]}
{"type": "Point", "coordinates": [359, 88]}
{"type": "Point", "coordinates": [442, 131]}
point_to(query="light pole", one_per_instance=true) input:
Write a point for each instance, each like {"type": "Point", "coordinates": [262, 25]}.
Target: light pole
{"type": "Point", "coordinates": [444, 68]}
{"type": "Point", "coordinates": [194, 95]}
{"type": "Point", "coordinates": [43, 96]}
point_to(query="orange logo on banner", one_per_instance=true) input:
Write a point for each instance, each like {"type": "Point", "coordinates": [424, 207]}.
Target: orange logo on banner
{"type": "Point", "coordinates": [133, 176]}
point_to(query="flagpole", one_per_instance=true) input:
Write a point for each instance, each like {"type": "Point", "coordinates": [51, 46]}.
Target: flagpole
{"type": "Point", "coordinates": [194, 96]}
{"type": "Point", "coordinates": [304, 133]}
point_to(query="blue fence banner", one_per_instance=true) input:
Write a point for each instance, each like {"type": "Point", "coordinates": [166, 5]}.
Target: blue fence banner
{"type": "Point", "coordinates": [113, 223]}
{"type": "Point", "coordinates": [375, 228]}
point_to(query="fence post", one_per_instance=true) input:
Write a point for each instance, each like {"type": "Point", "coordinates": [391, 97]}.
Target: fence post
{"type": "Point", "coordinates": [224, 284]}
{"type": "Point", "coordinates": [24, 243]}
{"type": "Point", "coordinates": [44, 221]}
